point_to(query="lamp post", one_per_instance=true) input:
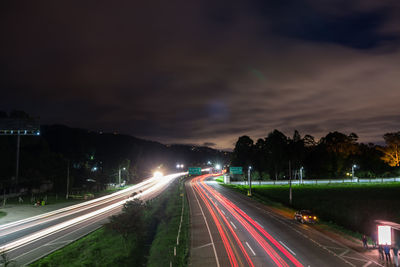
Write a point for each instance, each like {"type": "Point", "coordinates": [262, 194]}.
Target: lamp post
{"type": "Point", "coordinates": [301, 175]}
{"type": "Point", "coordinates": [119, 175]}
{"type": "Point", "coordinates": [248, 174]}
{"type": "Point", "coordinates": [290, 184]}
{"type": "Point", "coordinates": [352, 171]}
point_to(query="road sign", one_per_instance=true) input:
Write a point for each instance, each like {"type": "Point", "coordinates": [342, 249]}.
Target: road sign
{"type": "Point", "coordinates": [195, 170]}
{"type": "Point", "coordinates": [236, 170]}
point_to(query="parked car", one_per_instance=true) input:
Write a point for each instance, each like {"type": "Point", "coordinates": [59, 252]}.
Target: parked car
{"type": "Point", "coordinates": [305, 216]}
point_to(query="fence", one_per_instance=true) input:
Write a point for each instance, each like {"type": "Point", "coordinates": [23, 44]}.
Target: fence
{"type": "Point", "coordinates": [324, 181]}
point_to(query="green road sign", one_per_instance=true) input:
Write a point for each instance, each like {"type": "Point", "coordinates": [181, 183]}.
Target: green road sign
{"type": "Point", "coordinates": [195, 170]}
{"type": "Point", "coordinates": [236, 170]}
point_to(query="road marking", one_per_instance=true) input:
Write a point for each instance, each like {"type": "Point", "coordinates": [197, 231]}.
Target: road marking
{"type": "Point", "coordinates": [291, 251]}
{"type": "Point", "coordinates": [223, 212]}
{"type": "Point", "coordinates": [234, 226]}
{"type": "Point", "coordinates": [252, 251]}
{"type": "Point", "coordinates": [259, 224]}
{"type": "Point", "coordinates": [367, 264]}
{"type": "Point", "coordinates": [58, 243]}
{"type": "Point", "coordinates": [203, 246]}
{"type": "Point", "coordinates": [208, 228]}
{"type": "Point", "coordinates": [344, 252]}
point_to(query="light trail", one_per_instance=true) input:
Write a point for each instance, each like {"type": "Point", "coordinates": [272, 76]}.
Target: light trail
{"type": "Point", "coordinates": [159, 184]}
{"type": "Point", "coordinates": [251, 226]}
{"type": "Point", "coordinates": [256, 225]}
{"type": "Point", "coordinates": [227, 246]}
{"type": "Point", "coordinates": [239, 243]}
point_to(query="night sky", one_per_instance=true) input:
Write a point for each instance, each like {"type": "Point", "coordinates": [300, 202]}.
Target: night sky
{"type": "Point", "coordinates": [204, 72]}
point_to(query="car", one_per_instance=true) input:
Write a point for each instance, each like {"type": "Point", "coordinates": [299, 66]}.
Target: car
{"type": "Point", "coordinates": [305, 216]}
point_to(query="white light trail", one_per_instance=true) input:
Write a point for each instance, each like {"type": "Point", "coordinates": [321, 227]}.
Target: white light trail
{"type": "Point", "coordinates": [160, 183]}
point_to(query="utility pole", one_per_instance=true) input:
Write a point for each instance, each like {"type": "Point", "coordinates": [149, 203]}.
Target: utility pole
{"type": "Point", "coordinates": [66, 196]}
{"type": "Point", "coordinates": [17, 164]}
{"type": "Point", "coordinates": [290, 184]}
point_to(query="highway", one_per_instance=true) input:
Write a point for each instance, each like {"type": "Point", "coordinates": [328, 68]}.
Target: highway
{"type": "Point", "coordinates": [27, 240]}
{"type": "Point", "coordinates": [230, 229]}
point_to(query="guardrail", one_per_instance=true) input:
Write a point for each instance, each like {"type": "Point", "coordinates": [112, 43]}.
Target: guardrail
{"type": "Point", "coordinates": [323, 181]}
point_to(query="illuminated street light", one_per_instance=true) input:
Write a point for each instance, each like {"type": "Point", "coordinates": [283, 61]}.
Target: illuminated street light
{"type": "Point", "coordinates": [218, 167]}
{"type": "Point", "coordinates": [352, 171]}
{"type": "Point", "coordinates": [158, 174]}
{"type": "Point", "coordinates": [248, 174]}
{"type": "Point", "coordinates": [119, 175]}
{"type": "Point", "coordinates": [301, 174]}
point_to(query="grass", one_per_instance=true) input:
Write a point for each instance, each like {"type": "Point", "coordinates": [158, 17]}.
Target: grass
{"type": "Point", "coordinates": [161, 252]}
{"type": "Point", "coordinates": [105, 247]}
{"type": "Point", "coordinates": [100, 248]}
{"type": "Point", "coordinates": [219, 179]}
{"type": "Point", "coordinates": [352, 206]}
{"type": "Point", "coordinates": [2, 213]}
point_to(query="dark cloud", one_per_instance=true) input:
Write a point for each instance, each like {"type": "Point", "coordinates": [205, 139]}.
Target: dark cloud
{"type": "Point", "coordinates": [205, 72]}
{"type": "Point", "coordinates": [209, 144]}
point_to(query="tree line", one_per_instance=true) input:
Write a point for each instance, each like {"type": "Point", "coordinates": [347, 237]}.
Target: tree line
{"type": "Point", "coordinates": [332, 157]}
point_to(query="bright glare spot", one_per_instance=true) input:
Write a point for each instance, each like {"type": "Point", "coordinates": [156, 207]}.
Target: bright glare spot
{"type": "Point", "coordinates": [178, 166]}
{"type": "Point", "coordinates": [182, 166]}
{"type": "Point", "coordinates": [218, 167]}
{"type": "Point", "coordinates": [384, 235]}
{"type": "Point", "coordinates": [158, 174]}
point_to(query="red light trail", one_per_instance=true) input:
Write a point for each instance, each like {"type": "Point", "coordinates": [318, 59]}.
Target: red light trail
{"type": "Point", "coordinates": [260, 235]}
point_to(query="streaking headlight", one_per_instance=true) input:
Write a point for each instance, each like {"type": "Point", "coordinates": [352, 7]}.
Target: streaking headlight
{"type": "Point", "coordinates": [158, 174]}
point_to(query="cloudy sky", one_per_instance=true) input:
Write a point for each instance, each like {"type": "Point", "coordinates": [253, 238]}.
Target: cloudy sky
{"type": "Point", "coordinates": [205, 72]}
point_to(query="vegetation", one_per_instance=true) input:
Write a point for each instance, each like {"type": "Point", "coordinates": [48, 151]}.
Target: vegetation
{"type": "Point", "coordinates": [88, 160]}
{"type": "Point", "coordinates": [391, 153]}
{"type": "Point", "coordinates": [353, 206]}
{"type": "Point", "coordinates": [2, 213]}
{"type": "Point", "coordinates": [220, 179]}
{"type": "Point", "coordinates": [144, 234]}
{"type": "Point", "coordinates": [333, 156]}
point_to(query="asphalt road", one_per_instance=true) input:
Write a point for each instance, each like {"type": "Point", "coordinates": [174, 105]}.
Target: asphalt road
{"type": "Point", "coordinates": [230, 229]}
{"type": "Point", "coordinates": [30, 239]}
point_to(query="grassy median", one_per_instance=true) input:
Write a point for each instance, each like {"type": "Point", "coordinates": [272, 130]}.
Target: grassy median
{"type": "Point", "coordinates": [143, 235]}
{"type": "Point", "coordinates": [353, 206]}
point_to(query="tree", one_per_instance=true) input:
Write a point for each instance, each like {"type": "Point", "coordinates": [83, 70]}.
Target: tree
{"type": "Point", "coordinates": [243, 153]}
{"type": "Point", "coordinates": [276, 152]}
{"type": "Point", "coordinates": [391, 152]}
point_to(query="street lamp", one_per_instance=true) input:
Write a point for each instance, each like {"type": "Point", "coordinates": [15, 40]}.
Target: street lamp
{"type": "Point", "coordinates": [248, 174]}
{"type": "Point", "coordinates": [218, 167]}
{"type": "Point", "coordinates": [119, 175]}
{"type": "Point", "coordinates": [301, 174]}
{"type": "Point", "coordinates": [352, 171]}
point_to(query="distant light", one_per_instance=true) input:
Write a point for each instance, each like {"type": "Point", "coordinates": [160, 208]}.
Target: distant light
{"type": "Point", "coordinates": [384, 235]}
{"type": "Point", "coordinates": [249, 167]}
{"type": "Point", "coordinates": [354, 166]}
{"type": "Point", "coordinates": [209, 162]}
{"type": "Point", "coordinates": [218, 167]}
{"type": "Point", "coordinates": [182, 166]}
{"type": "Point", "coordinates": [158, 174]}
{"type": "Point", "coordinates": [94, 169]}
{"type": "Point", "coordinates": [124, 168]}
{"type": "Point", "coordinates": [38, 133]}
{"type": "Point", "coordinates": [178, 166]}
